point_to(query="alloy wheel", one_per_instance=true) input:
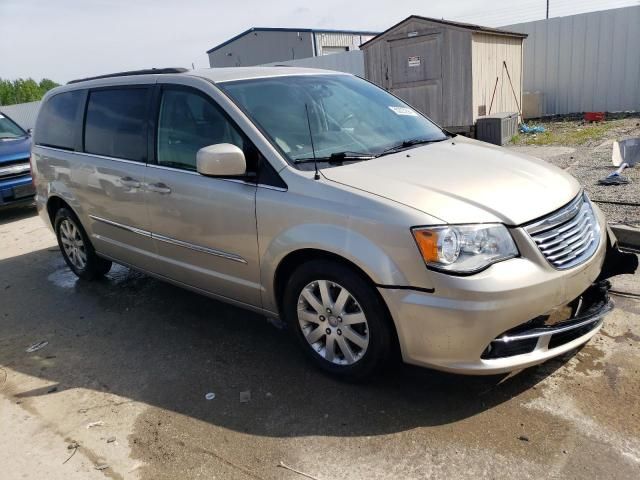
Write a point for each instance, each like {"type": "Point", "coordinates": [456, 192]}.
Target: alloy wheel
{"type": "Point", "coordinates": [332, 322]}
{"type": "Point", "coordinates": [73, 244]}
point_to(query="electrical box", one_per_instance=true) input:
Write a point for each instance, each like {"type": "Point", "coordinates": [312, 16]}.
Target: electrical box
{"type": "Point", "coordinates": [497, 128]}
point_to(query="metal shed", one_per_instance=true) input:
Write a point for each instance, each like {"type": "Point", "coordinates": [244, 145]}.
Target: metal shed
{"type": "Point", "coordinates": [448, 70]}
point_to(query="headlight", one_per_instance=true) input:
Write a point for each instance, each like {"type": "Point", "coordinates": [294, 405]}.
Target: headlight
{"type": "Point", "coordinates": [464, 248]}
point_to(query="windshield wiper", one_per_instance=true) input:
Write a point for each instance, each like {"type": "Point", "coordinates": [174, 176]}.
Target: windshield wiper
{"type": "Point", "coordinates": [408, 144]}
{"type": "Point", "coordinates": [336, 158]}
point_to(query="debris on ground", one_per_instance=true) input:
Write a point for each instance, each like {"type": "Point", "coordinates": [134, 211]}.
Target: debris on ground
{"type": "Point", "coordinates": [523, 438]}
{"type": "Point", "coordinates": [299, 472]}
{"type": "Point", "coordinates": [37, 346]}
{"type": "Point", "coordinates": [531, 129]}
{"type": "Point", "coordinates": [72, 446]}
{"type": "Point", "coordinates": [52, 390]}
{"type": "Point", "coordinates": [594, 116]}
{"type": "Point", "coordinates": [614, 179]}
{"type": "Point", "coordinates": [245, 396]}
{"type": "Point", "coordinates": [103, 466]}
{"type": "Point", "coordinates": [210, 396]}
{"type": "Point", "coordinates": [111, 439]}
{"type": "Point", "coordinates": [99, 423]}
{"type": "Point", "coordinates": [625, 154]}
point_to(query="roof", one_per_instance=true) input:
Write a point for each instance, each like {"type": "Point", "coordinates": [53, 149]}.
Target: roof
{"type": "Point", "coordinates": [229, 74]}
{"type": "Point", "coordinates": [146, 71]}
{"type": "Point", "coordinates": [215, 75]}
{"type": "Point", "coordinates": [466, 26]}
{"type": "Point", "coordinates": [268, 29]}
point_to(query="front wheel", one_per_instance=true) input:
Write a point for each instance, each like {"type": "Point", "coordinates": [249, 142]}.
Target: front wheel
{"type": "Point", "coordinates": [76, 247]}
{"type": "Point", "coordinates": [338, 318]}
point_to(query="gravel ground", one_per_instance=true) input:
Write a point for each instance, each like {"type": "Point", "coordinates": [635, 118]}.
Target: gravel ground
{"type": "Point", "coordinates": [590, 161]}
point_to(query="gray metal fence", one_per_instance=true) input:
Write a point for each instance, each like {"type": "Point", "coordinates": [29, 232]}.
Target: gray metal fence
{"type": "Point", "coordinates": [24, 114]}
{"type": "Point", "coordinates": [349, 62]}
{"type": "Point", "coordinates": [585, 62]}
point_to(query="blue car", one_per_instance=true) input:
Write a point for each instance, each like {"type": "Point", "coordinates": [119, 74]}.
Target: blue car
{"type": "Point", "coordinates": [15, 172]}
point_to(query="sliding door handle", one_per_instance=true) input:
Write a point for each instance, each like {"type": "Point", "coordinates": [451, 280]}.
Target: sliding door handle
{"type": "Point", "coordinates": [159, 188]}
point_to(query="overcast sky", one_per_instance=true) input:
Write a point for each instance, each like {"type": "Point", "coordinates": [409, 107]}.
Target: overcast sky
{"type": "Point", "coordinates": [66, 39]}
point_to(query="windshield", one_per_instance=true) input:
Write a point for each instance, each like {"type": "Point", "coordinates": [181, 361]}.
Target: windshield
{"type": "Point", "coordinates": [9, 129]}
{"type": "Point", "coordinates": [349, 118]}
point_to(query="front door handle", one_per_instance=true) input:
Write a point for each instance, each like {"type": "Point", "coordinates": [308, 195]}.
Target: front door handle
{"type": "Point", "coordinates": [130, 182]}
{"type": "Point", "coordinates": [159, 188]}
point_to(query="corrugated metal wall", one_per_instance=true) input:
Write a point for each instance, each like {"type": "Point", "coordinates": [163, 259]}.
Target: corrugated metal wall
{"type": "Point", "coordinates": [24, 114]}
{"type": "Point", "coordinates": [259, 47]}
{"type": "Point", "coordinates": [586, 62]}
{"type": "Point", "coordinates": [488, 53]}
{"type": "Point", "coordinates": [348, 62]}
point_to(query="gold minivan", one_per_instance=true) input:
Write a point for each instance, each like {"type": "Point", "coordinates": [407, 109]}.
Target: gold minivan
{"type": "Point", "coordinates": [319, 198]}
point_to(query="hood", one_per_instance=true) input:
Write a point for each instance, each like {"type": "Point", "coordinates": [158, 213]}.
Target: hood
{"type": "Point", "coordinates": [463, 181]}
{"type": "Point", "coordinates": [14, 149]}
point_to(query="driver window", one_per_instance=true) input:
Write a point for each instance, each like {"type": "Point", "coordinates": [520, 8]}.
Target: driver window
{"type": "Point", "coordinates": [187, 122]}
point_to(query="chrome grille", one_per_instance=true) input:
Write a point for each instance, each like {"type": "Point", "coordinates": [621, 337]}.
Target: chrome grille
{"type": "Point", "coordinates": [15, 168]}
{"type": "Point", "coordinates": [569, 236]}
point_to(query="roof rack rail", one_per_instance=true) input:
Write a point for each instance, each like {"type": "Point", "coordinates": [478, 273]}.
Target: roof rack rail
{"type": "Point", "coordinates": [147, 71]}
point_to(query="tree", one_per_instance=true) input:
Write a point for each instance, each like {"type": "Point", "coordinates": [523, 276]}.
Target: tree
{"type": "Point", "coordinates": [23, 90]}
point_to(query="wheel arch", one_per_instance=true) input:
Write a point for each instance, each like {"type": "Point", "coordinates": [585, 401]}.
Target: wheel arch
{"type": "Point", "coordinates": [296, 258]}
{"type": "Point", "coordinates": [55, 203]}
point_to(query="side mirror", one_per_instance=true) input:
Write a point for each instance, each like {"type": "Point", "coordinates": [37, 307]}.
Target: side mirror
{"type": "Point", "coordinates": [30, 131]}
{"type": "Point", "coordinates": [221, 160]}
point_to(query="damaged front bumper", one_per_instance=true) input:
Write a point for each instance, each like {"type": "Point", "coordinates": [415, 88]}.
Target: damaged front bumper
{"type": "Point", "coordinates": [545, 333]}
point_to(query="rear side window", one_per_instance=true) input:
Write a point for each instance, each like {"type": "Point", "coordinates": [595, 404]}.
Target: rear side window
{"type": "Point", "coordinates": [116, 123]}
{"type": "Point", "coordinates": [56, 122]}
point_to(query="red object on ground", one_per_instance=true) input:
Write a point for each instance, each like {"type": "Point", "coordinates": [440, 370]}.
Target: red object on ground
{"type": "Point", "coordinates": [593, 116]}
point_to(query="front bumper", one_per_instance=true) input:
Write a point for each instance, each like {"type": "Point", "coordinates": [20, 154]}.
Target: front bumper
{"type": "Point", "coordinates": [452, 328]}
{"type": "Point", "coordinates": [16, 191]}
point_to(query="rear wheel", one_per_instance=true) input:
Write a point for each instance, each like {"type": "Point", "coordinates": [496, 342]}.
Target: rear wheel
{"type": "Point", "coordinates": [338, 318]}
{"type": "Point", "coordinates": [76, 248]}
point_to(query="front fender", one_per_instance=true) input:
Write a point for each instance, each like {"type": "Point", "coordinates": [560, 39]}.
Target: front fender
{"type": "Point", "coordinates": [334, 239]}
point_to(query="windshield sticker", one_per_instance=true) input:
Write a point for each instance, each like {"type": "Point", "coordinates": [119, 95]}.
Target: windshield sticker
{"type": "Point", "coordinates": [403, 111]}
{"type": "Point", "coordinates": [1, 116]}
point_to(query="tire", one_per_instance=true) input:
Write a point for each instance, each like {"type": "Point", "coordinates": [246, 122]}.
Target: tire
{"type": "Point", "coordinates": [345, 347]}
{"type": "Point", "coordinates": [76, 248]}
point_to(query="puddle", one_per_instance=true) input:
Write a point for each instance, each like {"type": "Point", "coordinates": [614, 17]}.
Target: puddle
{"type": "Point", "coordinates": [63, 278]}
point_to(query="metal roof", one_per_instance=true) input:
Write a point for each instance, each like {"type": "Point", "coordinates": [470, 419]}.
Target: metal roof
{"type": "Point", "coordinates": [268, 29]}
{"type": "Point", "coordinates": [466, 26]}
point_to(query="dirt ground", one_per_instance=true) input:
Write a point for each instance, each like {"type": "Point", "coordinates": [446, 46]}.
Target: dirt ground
{"type": "Point", "coordinates": [584, 150]}
{"type": "Point", "coordinates": [130, 359]}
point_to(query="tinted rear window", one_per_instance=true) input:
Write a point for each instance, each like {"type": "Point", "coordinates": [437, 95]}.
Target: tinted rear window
{"type": "Point", "coordinates": [55, 126]}
{"type": "Point", "coordinates": [116, 123]}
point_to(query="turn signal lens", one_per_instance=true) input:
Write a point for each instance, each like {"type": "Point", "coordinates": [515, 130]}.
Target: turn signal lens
{"type": "Point", "coordinates": [428, 244]}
